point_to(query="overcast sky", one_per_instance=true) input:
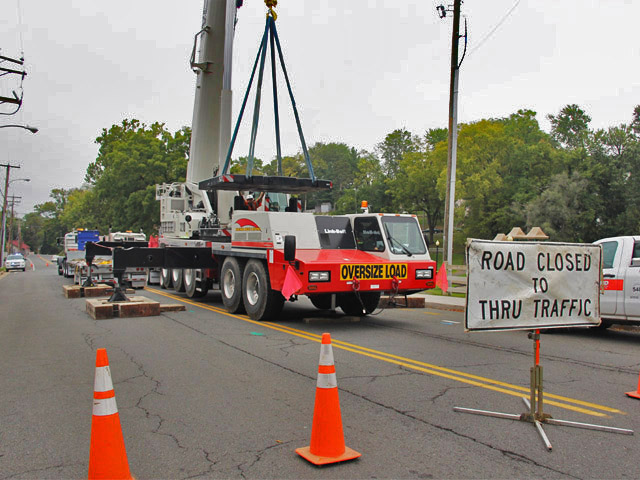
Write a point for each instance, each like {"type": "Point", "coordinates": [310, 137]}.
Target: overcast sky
{"type": "Point", "coordinates": [359, 68]}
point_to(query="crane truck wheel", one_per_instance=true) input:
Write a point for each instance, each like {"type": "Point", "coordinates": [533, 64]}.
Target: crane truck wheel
{"type": "Point", "coordinates": [177, 277]}
{"type": "Point", "coordinates": [260, 301]}
{"type": "Point", "coordinates": [195, 285]}
{"type": "Point", "coordinates": [165, 278]}
{"type": "Point", "coordinates": [231, 285]}
{"type": "Point", "coordinates": [350, 304]}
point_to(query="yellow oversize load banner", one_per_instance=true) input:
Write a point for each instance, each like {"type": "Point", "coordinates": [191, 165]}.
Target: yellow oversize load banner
{"type": "Point", "coordinates": [373, 271]}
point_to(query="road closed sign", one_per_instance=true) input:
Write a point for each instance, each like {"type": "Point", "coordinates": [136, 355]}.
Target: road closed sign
{"type": "Point", "coordinates": [531, 285]}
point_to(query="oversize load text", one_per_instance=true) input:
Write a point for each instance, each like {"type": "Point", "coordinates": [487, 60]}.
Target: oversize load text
{"type": "Point", "coordinates": [370, 271]}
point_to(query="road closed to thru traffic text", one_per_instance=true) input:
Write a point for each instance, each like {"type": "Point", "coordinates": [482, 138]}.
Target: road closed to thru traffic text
{"type": "Point", "coordinates": [531, 285]}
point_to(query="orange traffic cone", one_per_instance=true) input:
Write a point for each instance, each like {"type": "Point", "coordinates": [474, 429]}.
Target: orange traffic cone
{"type": "Point", "coordinates": [107, 456]}
{"type": "Point", "coordinates": [635, 394]}
{"type": "Point", "coordinates": [327, 437]}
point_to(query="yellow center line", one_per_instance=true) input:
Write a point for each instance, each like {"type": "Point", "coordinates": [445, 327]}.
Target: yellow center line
{"type": "Point", "coordinates": [463, 377]}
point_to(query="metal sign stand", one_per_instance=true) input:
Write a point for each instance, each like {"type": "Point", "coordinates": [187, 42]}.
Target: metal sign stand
{"type": "Point", "coordinates": [536, 414]}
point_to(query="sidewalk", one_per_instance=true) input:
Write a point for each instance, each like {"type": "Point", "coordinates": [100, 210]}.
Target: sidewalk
{"type": "Point", "coordinates": [442, 302]}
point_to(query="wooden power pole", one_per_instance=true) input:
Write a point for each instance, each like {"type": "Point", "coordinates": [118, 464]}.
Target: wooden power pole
{"type": "Point", "coordinates": [449, 205]}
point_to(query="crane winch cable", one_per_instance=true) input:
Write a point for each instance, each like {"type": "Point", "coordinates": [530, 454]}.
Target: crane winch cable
{"type": "Point", "coordinates": [270, 35]}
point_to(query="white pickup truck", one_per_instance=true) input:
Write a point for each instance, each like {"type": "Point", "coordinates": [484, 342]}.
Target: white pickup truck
{"type": "Point", "coordinates": [620, 299]}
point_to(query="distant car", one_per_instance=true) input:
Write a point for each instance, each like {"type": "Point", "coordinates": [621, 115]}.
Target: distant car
{"type": "Point", "coordinates": [54, 259]}
{"type": "Point", "coordinates": [15, 262]}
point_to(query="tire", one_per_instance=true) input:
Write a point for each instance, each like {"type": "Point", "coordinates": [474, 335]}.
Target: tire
{"type": "Point", "coordinates": [350, 304]}
{"type": "Point", "coordinates": [322, 301]}
{"type": "Point", "coordinates": [195, 283]}
{"type": "Point", "coordinates": [165, 278]}
{"type": "Point", "coordinates": [177, 277]}
{"type": "Point", "coordinates": [231, 285]}
{"type": "Point", "coordinates": [260, 301]}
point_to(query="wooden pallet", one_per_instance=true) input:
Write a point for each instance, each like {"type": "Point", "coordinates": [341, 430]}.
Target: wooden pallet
{"type": "Point", "coordinates": [102, 309]}
{"type": "Point", "coordinates": [401, 301]}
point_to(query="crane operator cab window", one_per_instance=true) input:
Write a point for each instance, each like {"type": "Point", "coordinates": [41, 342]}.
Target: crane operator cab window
{"type": "Point", "coordinates": [368, 234]}
{"type": "Point", "coordinates": [275, 201]}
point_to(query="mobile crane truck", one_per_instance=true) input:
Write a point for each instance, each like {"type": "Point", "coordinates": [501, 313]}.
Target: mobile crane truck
{"type": "Point", "coordinates": [246, 234]}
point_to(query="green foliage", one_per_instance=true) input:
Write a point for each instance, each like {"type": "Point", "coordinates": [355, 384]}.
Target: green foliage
{"type": "Point", "coordinates": [570, 127]}
{"type": "Point", "coordinates": [132, 159]}
{"type": "Point", "coordinates": [575, 183]}
{"type": "Point", "coordinates": [392, 149]}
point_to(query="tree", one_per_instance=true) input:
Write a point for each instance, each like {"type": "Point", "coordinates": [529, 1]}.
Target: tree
{"type": "Point", "coordinates": [565, 210]}
{"type": "Point", "coordinates": [416, 186]}
{"type": "Point", "coordinates": [570, 127]}
{"type": "Point", "coordinates": [132, 159]}
{"type": "Point", "coordinates": [394, 146]}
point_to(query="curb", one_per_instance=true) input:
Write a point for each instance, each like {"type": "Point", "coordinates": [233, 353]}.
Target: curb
{"type": "Point", "coordinates": [443, 306]}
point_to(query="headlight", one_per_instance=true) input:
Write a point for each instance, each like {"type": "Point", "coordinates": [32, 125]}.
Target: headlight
{"type": "Point", "coordinates": [424, 274]}
{"type": "Point", "coordinates": [319, 276]}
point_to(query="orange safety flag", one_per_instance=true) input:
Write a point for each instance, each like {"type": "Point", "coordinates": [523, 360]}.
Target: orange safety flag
{"type": "Point", "coordinates": [441, 278]}
{"type": "Point", "coordinates": [291, 283]}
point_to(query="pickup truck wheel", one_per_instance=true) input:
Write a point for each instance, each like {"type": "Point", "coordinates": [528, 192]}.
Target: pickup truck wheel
{"type": "Point", "coordinates": [322, 301]}
{"type": "Point", "coordinates": [165, 278]}
{"type": "Point", "coordinates": [231, 285]}
{"type": "Point", "coordinates": [260, 301]}
{"type": "Point", "coordinates": [350, 304]}
{"type": "Point", "coordinates": [177, 276]}
{"type": "Point", "coordinates": [195, 285]}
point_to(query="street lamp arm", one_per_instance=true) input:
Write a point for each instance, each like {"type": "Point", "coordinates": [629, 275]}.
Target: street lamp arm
{"type": "Point", "coordinates": [26, 127]}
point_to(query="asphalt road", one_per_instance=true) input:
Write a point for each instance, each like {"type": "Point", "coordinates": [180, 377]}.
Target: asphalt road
{"type": "Point", "coordinates": [205, 394]}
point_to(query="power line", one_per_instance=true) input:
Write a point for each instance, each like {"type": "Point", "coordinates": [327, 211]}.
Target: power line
{"type": "Point", "coordinates": [492, 31]}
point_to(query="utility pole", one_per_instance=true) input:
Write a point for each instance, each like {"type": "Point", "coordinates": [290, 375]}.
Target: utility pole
{"type": "Point", "coordinates": [14, 200]}
{"type": "Point", "coordinates": [449, 206]}
{"type": "Point", "coordinates": [4, 208]}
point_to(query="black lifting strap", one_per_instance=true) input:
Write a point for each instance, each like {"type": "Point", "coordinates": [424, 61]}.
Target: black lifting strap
{"type": "Point", "coordinates": [271, 34]}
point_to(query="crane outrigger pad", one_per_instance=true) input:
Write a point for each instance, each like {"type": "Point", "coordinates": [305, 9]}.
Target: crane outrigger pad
{"type": "Point", "coordinates": [258, 183]}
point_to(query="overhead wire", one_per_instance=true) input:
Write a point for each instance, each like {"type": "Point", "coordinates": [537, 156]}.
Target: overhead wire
{"type": "Point", "coordinates": [492, 31]}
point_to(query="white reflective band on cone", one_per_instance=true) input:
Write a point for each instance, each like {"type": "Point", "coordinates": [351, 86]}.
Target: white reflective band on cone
{"type": "Point", "coordinates": [327, 380]}
{"type": "Point", "coordinates": [102, 382]}
{"type": "Point", "coordinates": [326, 355]}
{"type": "Point", "coordinates": [104, 406]}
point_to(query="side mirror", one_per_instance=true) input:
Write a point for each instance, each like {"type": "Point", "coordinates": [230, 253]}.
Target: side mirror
{"type": "Point", "coordinates": [289, 248]}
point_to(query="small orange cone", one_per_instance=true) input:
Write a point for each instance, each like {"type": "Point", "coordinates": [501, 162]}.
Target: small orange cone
{"type": "Point", "coordinates": [635, 394]}
{"type": "Point", "coordinates": [327, 437]}
{"type": "Point", "coordinates": [107, 456]}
